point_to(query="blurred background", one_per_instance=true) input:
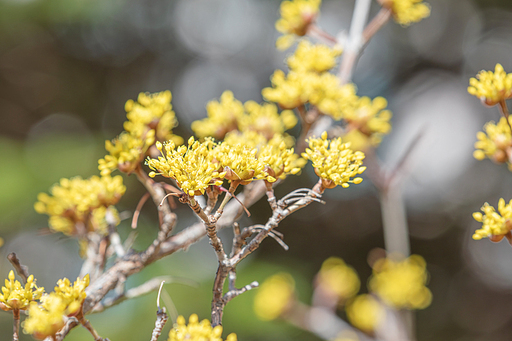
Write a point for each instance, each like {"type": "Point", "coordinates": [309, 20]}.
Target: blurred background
{"type": "Point", "coordinates": [68, 66]}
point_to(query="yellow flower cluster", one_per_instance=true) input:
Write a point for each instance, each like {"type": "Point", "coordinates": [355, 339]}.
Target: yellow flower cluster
{"type": "Point", "coordinates": [81, 201]}
{"type": "Point", "coordinates": [72, 295]}
{"type": "Point", "coordinates": [150, 118]}
{"type": "Point", "coordinates": [365, 312]}
{"type": "Point", "coordinates": [125, 152]}
{"type": "Point", "coordinates": [401, 284]}
{"type": "Point", "coordinates": [151, 111]}
{"type": "Point", "coordinates": [279, 160]}
{"type": "Point", "coordinates": [230, 114]}
{"type": "Point", "coordinates": [406, 12]}
{"type": "Point", "coordinates": [495, 225]}
{"type": "Point", "coordinates": [322, 90]}
{"type": "Point", "coordinates": [495, 143]}
{"type": "Point", "coordinates": [491, 87]}
{"type": "Point", "coordinates": [334, 162]}
{"type": "Point", "coordinates": [240, 163]}
{"type": "Point", "coordinates": [15, 296]}
{"type": "Point", "coordinates": [368, 122]}
{"type": "Point", "coordinates": [274, 297]}
{"type": "Point", "coordinates": [197, 331]}
{"type": "Point", "coordinates": [296, 16]}
{"type": "Point", "coordinates": [316, 58]}
{"type": "Point", "coordinates": [46, 319]}
{"type": "Point", "coordinates": [192, 167]}
{"type": "Point", "coordinates": [241, 157]}
{"type": "Point", "coordinates": [338, 278]}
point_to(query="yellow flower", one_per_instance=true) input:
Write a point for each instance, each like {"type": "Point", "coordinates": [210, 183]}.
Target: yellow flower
{"type": "Point", "coordinates": [125, 152]}
{"type": "Point", "coordinates": [72, 295]}
{"type": "Point", "coordinates": [197, 331]}
{"type": "Point", "coordinates": [495, 143]}
{"type": "Point", "coordinates": [73, 200]}
{"type": "Point", "coordinates": [280, 161]}
{"type": "Point", "coordinates": [401, 284]}
{"type": "Point", "coordinates": [46, 320]}
{"type": "Point", "coordinates": [316, 58]}
{"type": "Point", "coordinates": [334, 162]}
{"type": "Point", "coordinates": [192, 167]}
{"type": "Point", "coordinates": [365, 312]}
{"type": "Point", "coordinates": [240, 163]}
{"type": "Point", "coordinates": [222, 117]}
{"type": "Point", "coordinates": [274, 297]}
{"type": "Point", "coordinates": [491, 87]}
{"type": "Point", "coordinates": [339, 278]}
{"type": "Point", "coordinates": [406, 12]}
{"type": "Point", "coordinates": [151, 111]}
{"type": "Point", "coordinates": [370, 119]}
{"type": "Point", "coordinates": [495, 225]}
{"type": "Point", "coordinates": [15, 296]}
{"type": "Point", "coordinates": [296, 16]}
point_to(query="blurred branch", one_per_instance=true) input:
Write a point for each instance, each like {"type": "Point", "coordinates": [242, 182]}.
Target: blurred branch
{"type": "Point", "coordinates": [355, 40]}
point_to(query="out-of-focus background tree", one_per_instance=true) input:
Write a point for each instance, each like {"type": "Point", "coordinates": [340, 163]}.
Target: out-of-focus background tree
{"type": "Point", "coordinates": [68, 66]}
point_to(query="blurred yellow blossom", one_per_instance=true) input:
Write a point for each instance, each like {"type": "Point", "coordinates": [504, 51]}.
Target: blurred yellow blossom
{"type": "Point", "coordinates": [334, 162]}
{"type": "Point", "coordinates": [316, 58]}
{"type": "Point", "coordinates": [365, 312]}
{"type": "Point", "coordinates": [338, 278]}
{"type": "Point", "coordinates": [370, 118]}
{"type": "Point", "coordinates": [401, 284]}
{"type": "Point", "coordinates": [495, 225]}
{"type": "Point", "coordinates": [491, 87]}
{"type": "Point", "coordinates": [296, 16]}
{"type": "Point", "coordinates": [16, 296]}
{"type": "Point", "coordinates": [191, 166]}
{"type": "Point", "coordinates": [495, 143]}
{"type": "Point", "coordinates": [45, 320]}
{"type": "Point", "coordinates": [151, 111]}
{"type": "Point", "coordinates": [322, 90]}
{"type": "Point", "coordinates": [73, 200]}
{"type": "Point", "coordinates": [125, 152]}
{"type": "Point", "coordinates": [274, 296]}
{"type": "Point", "coordinates": [230, 115]}
{"type": "Point", "coordinates": [223, 117]}
{"type": "Point", "coordinates": [1, 241]}
{"type": "Point", "coordinates": [406, 12]}
{"type": "Point", "coordinates": [197, 331]}
{"type": "Point", "coordinates": [265, 119]}
{"type": "Point", "coordinates": [347, 335]}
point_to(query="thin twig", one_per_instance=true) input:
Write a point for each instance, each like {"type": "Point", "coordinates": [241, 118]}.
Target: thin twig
{"type": "Point", "coordinates": [136, 214]}
{"type": "Point", "coordinates": [21, 270]}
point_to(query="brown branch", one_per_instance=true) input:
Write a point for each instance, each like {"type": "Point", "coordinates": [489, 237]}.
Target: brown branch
{"type": "Point", "coordinates": [318, 33]}
{"type": "Point", "coordinates": [21, 270]}
{"type": "Point", "coordinates": [376, 24]}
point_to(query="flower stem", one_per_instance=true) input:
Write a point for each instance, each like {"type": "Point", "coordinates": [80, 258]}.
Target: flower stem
{"type": "Point", "coordinates": [16, 324]}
